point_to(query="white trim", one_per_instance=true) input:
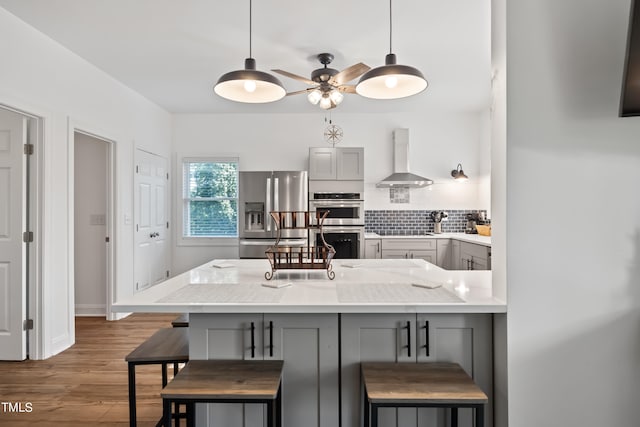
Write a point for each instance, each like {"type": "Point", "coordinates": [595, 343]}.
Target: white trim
{"type": "Point", "coordinates": [90, 310]}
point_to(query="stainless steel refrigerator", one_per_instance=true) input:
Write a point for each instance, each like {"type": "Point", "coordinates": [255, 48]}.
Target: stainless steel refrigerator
{"type": "Point", "coordinates": [261, 193]}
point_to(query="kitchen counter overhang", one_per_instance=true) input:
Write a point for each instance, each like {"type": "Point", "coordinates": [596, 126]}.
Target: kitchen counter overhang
{"type": "Point", "coordinates": [360, 286]}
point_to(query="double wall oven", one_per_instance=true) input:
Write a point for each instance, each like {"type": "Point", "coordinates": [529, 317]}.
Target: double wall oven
{"type": "Point", "coordinates": [344, 226]}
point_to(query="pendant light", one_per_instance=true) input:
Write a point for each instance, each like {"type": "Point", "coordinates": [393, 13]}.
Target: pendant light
{"type": "Point", "coordinates": [249, 85]}
{"type": "Point", "coordinates": [391, 81]}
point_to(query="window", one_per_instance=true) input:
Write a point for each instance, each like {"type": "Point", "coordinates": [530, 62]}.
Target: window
{"type": "Point", "coordinates": [210, 197]}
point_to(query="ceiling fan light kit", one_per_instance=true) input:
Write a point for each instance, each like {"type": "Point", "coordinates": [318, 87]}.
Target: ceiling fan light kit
{"type": "Point", "coordinates": [249, 85]}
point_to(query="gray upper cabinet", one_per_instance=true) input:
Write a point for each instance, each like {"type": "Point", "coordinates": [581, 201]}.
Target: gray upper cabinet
{"type": "Point", "coordinates": [343, 163]}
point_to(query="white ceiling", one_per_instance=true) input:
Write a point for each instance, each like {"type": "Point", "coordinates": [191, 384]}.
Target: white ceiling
{"type": "Point", "coordinates": [173, 51]}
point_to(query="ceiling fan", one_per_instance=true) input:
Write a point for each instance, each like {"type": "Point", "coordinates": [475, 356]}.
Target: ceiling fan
{"type": "Point", "coordinates": [327, 84]}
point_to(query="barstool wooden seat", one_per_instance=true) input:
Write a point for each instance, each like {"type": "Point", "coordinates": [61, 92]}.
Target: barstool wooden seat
{"type": "Point", "coordinates": [226, 381]}
{"type": "Point", "coordinates": [167, 345]}
{"type": "Point", "coordinates": [439, 385]}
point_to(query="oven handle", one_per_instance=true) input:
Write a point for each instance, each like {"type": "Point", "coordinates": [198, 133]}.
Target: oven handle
{"type": "Point", "coordinates": [335, 205]}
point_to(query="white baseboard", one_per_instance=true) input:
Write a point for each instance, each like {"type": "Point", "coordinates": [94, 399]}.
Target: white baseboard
{"type": "Point", "coordinates": [91, 310]}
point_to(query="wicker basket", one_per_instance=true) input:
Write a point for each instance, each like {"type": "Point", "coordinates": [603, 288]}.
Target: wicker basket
{"type": "Point", "coordinates": [484, 230]}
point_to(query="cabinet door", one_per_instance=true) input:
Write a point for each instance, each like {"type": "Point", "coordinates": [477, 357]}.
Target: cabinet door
{"type": "Point", "coordinates": [322, 163]}
{"type": "Point", "coordinates": [474, 256]}
{"type": "Point", "coordinates": [455, 255]}
{"type": "Point", "coordinates": [464, 339]}
{"type": "Point", "coordinates": [350, 163]}
{"type": "Point", "coordinates": [372, 248]}
{"type": "Point", "coordinates": [309, 346]}
{"type": "Point", "coordinates": [227, 336]}
{"type": "Point", "coordinates": [374, 338]}
{"type": "Point", "coordinates": [429, 256]}
{"type": "Point", "coordinates": [443, 255]}
{"type": "Point", "coordinates": [395, 253]}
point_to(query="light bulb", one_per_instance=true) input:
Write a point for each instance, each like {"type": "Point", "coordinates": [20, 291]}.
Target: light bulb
{"type": "Point", "coordinates": [325, 102]}
{"type": "Point", "coordinates": [391, 82]}
{"type": "Point", "coordinates": [336, 96]}
{"type": "Point", "coordinates": [314, 96]}
{"type": "Point", "coordinates": [250, 85]}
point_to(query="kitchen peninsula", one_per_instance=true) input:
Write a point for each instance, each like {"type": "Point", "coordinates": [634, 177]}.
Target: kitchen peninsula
{"type": "Point", "coordinates": [375, 310]}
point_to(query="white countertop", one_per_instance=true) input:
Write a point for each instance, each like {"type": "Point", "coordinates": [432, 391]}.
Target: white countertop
{"type": "Point", "coordinates": [463, 237]}
{"type": "Point", "coordinates": [360, 286]}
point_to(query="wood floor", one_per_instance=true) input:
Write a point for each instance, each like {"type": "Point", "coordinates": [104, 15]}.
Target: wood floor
{"type": "Point", "coordinates": [86, 385]}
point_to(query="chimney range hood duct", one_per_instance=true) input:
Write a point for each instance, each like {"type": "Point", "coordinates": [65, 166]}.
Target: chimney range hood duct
{"type": "Point", "coordinates": [401, 177]}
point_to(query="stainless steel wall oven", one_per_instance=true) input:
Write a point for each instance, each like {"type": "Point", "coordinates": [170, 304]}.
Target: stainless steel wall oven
{"type": "Point", "coordinates": [344, 226]}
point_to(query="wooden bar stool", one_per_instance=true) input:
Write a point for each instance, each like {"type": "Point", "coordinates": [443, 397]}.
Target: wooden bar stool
{"type": "Point", "coordinates": [226, 381]}
{"type": "Point", "coordinates": [416, 385]}
{"type": "Point", "coordinates": [167, 345]}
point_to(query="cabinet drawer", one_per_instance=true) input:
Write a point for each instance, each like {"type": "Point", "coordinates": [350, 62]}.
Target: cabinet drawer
{"type": "Point", "coordinates": [409, 244]}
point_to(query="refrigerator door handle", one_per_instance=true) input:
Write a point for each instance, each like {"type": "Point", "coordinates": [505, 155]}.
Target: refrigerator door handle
{"type": "Point", "coordinates": [267, 212]}
{"type": "Point", "coordinates": [276, 192]}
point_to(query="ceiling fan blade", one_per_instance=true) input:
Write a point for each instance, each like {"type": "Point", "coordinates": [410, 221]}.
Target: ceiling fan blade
{"type": "Point", "coordinates": [347, 88]}
{"type": "Point", "coordinates": [349, 73]}
{"type": "Point", "coordinates": [295, 77]}
{"type": "Point", "coordinates": [298, 92]}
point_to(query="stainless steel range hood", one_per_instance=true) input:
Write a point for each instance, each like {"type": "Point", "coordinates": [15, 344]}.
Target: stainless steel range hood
{"type": "Point", "coordinates": [401, 177]}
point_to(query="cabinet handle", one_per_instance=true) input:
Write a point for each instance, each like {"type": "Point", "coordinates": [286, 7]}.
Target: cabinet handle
{"type": "Point", "coordinates": [253, 340]}
{"type": "Point", "coordinates": [426, 338]}
{"type": "Point", "coordinates": [378, 246]}
{"type": "Point", "coordinates": [471, 263]}
{"type": "Point", "coordinates": [270, 338]}
{"type": "Point", "coordinates": [408, 327]}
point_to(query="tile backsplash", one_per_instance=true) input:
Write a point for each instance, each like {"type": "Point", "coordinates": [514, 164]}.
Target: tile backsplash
{"type": "Point", "coordinates": [413, 222]}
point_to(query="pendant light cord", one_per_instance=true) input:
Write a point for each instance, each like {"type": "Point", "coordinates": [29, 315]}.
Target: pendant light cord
{"type": "Point", "coordinates": [250, 26]}
{"type": "Point", "coordinates": [390, 28]}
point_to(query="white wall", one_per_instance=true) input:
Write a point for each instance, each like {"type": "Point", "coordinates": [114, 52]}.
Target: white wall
{"type": "Point", "coordinates": [573, 240]}
{"type": "Point", "coordinates": [438, 142]}
{"type": "Point", "coordinates": [90, 194]}
{"type": "Point", "coordinates": [41, 77]}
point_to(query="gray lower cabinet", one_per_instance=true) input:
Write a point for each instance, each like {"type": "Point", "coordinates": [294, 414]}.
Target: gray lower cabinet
{"type": "Point", "coordinates": [308, 344]}
{"type": "Point", "coordinates": [372, 248]}
{"type": "Point", "coordinates": [409, 249]}
{"type": "Point", "coordinates": [410, 338]}
{"type": "Point", "coordinates": [444, 254]}
{"type": "Point", "coordinates": [474, 256]}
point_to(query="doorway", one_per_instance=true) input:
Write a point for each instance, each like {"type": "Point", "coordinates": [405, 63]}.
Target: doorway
{"type": "Point", "coordinates": [91, 224]}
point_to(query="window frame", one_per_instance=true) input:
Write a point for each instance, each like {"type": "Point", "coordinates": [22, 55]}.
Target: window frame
{"type": "Point", "coordinates": [181, 239]}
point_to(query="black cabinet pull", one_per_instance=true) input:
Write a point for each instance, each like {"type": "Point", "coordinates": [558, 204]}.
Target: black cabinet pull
{"type": "Point", "coordinates": [253, 340]}
{"type": "Point", "coordinates": [426, 338]}
{"type": "Point", "coordinates": [270, 338]}
{"type": "Point", "coordinates": [408, 327]}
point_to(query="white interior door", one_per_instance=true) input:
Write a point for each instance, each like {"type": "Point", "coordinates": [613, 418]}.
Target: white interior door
{"type": "Point", "coordinates": [13, 136]}
{"type": "Point", "coordinates": [152, 248]}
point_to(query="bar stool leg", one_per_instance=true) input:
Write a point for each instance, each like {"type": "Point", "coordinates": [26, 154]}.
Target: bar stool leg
{"type": "Point", "coordinates": [279, 407]}
{"type": "Point", "coordinates": [191, 414]}
{"type": "Point", "coordinates": [365, 407]}
{"type": "Point", "coordinates": [270, 413]}
{"type": "Point", "coordinates": [454, 417]}
{"type": "Point", "coordinates": [132, 395]}
{"type": "Point", "coordinates": [374, 415]}
{"type": "Point", "coordinates": [480, 416]}
{"type": "Point", "coordinates": [166, 412]}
